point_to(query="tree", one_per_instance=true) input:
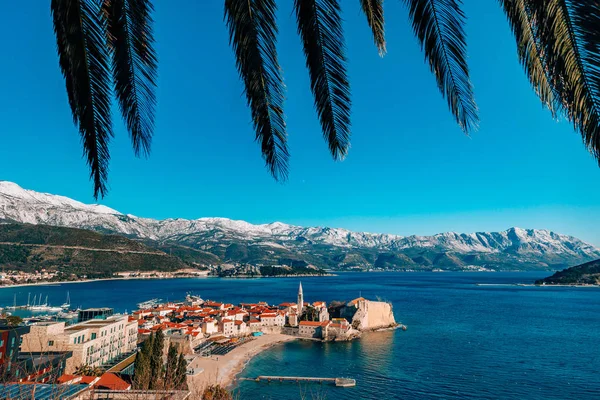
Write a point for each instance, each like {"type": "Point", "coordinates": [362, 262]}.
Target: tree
{"type": "Point", "coordinates": [216, 392]}
{"type": "Point", "coordinates": [180, 375]}
{"type": "Point", "coordinates": [156, 359]}
{"type": "Point", "coordinates": [88, 370]}
{"type": "Point", "coordinates": [141, 375]}
{"type": "Point", "coordinates": [14, 320]}
{"type": "Point", "coordinates": [108, 44]}
{"type": "Point", "coordinates": [170, 380]}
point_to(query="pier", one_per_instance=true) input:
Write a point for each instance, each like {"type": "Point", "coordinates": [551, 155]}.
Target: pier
{"type": "Point", "coordinates": [340, 382]}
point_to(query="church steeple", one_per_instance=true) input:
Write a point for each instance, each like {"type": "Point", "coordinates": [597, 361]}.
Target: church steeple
{"type": "Point", "coordinates": [300, 299]}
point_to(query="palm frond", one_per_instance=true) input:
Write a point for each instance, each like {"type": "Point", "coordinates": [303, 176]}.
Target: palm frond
{"type": "Point", "coordinates": [569, 33]}
{"type": "Point", "coordinates": [320, 27]}
{"type": "Point", "coordinates": [528, 50]}
{"type": "Point", "coordinates": [438, 24]}
{"type": "Point", "coordinates": [134, 66]}
{"type": "Point", "coordinates": [83, 58]}
{"type": "Point", "coordinates": [252, 34]}
{"type": "Point", "coordinates": [373, 10]}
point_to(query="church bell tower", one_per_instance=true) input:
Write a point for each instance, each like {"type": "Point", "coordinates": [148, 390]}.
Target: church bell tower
{"type": "Point", "coordinates": [300, 300]}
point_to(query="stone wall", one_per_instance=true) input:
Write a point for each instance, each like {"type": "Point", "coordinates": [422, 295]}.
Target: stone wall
{"type": "Point", "coordinates": [370, 315]}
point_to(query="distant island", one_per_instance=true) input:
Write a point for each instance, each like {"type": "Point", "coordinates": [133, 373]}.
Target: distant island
{"type": "Point", "coordinates": [584, 274]}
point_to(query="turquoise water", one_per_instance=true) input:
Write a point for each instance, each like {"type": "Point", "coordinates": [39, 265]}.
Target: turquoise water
{"type": "Point", "coordinates": [463, 340]}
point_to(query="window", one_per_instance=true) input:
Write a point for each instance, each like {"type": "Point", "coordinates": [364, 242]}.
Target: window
{"type": "Point", "coordinates": [12, 341]}
{"type": "Point", "coordinates": [1, 342]}
{"type": "Point", "coordinates": [93, 336]}
{"type": "Point", "coordinates": [74, 340]}
{"type": "Point", "coordinates": [50, 342]}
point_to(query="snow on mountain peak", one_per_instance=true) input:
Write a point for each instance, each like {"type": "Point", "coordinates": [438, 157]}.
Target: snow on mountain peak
{"type": "Point", "coordinates": [27, 206]}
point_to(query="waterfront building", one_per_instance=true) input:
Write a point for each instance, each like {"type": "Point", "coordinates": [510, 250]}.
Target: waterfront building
{"type": "Point", "coordinates": [272, 319]}
{"type": "Point", "coordinates": [94, 342]}
{"type": "Point", "coordinates": [240, 328]}
{"type": "Point", "coordinates": [254, 325]}
{"type": "Point", "coordinates": [209, 326]}
{"type": "Point", "coordinates": [313, 329]}
{"type": "Point", "coordinates": [227, 326]}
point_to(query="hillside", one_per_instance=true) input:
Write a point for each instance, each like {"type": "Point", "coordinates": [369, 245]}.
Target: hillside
{"type": "Point", "coordinates": [585, 274]}
{"type": "Point", "coordinates": [28, 248]}
{"type": "Point", "coordinates": [220, 240]}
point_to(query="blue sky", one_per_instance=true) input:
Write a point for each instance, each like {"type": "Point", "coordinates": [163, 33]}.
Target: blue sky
{"type": "Point", "coordinates": [410, 168]}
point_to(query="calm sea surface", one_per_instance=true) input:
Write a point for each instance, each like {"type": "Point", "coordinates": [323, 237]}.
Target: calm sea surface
{"type": "Point", "coordinates": [463, 340]}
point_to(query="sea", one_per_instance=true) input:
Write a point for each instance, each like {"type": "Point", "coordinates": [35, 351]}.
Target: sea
{"type": "Point", "coordinates": [469, 335]}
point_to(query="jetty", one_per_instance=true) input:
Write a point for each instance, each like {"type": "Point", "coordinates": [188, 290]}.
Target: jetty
{"type": "Point", "coordinates": [340, 382]}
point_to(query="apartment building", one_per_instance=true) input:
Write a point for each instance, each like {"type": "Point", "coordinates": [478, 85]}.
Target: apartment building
{"type": "Point", "coordinates": [94, 342]}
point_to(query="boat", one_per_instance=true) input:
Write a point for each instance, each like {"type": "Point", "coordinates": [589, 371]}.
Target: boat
{"type": "Point", "coordinates": [67, 303]}
{"type": "Point", "coordinates": [42, 307]}
{"type": "Point", "coordinates": [149, 303]}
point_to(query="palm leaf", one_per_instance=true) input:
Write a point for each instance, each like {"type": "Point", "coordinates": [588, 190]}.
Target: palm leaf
{"type": "Point", "coordinates": [569, 33]}
{"type": "Point", "coordinates": [373, 10]}
{"type": "Point", "coordinates": [134, 66]}
{"type": "Point", "coordinates": [529, 52]}
{"type": "Point", "coordinates": [320, 27]}
{"type": "Point", "coordinates": [438, 24]}
{"type": "Point", "coordinates": [252, 34]}
{"type": "Point", "coordinates": [83, 58]}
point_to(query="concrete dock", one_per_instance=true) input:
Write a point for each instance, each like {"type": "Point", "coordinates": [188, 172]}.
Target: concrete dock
{"type": "Point", "coordinates": [340, 382]}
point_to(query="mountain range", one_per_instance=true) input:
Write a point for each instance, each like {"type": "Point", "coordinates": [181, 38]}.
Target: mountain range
{"type": "Point", "coordinates": [221, 240]}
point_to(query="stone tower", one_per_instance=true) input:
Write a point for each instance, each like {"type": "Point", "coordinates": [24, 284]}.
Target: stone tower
{"type": "Point", "coordinates": [300, 300]}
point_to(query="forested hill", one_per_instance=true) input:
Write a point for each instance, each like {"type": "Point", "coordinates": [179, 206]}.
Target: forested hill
{"type": "Point", "coordinates": [77, 251]}
{"type": "Point", "coordinates": [584, 274]}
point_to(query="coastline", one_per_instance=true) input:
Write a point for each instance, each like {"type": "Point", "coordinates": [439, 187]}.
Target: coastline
{"type": "Point", "coordinates": [48, 283]}
{"type": "Point", "coordinates": [122, 278]}
{"type": "Point", "coordinates": [223, 370]}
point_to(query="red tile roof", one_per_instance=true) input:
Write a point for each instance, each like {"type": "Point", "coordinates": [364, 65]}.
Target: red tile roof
{"type": "Point", "coordinates": [314, 323]}
{"type": "Point", "coordinates": [112, 382]}
{"type": "Point", "coordinates": [67, 378]}
{"type": "Point", "coordinates": [88, 379]}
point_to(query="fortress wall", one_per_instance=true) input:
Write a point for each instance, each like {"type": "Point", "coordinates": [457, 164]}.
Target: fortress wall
{"type": "Point", "coordinates": [373, 315]}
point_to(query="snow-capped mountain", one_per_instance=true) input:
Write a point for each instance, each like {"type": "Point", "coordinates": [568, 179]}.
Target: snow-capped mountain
{"type": "Point", "coordinates": [242, 241]}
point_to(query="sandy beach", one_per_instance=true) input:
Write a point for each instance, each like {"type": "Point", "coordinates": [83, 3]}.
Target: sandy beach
{"type": "Point", "coordinates": [223, 369]}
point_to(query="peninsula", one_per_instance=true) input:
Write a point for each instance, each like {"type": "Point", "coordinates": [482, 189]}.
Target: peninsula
{"type": "Point", "coordinates": [584, 274]}
{"type": "Point", "coordinates": [219, 338]}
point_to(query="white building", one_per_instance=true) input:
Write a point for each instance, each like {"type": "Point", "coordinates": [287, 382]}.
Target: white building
{"type": "Point", "coordinates": [209, 326]}
{"type": "Point", "coordinates": [94, 342]}
{"type": "Point", "coordinates": [227, 327]}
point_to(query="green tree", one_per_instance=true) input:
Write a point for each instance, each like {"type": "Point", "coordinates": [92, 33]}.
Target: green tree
{"type": "Point", "coordinates": [180, 382]}
{"type": "Point", "coordinates": [170, 378]}
{"type": "Point", "coordinates": [141, 375]}
{"type": "Point", "coordinates": [88, 370]}
{"type": "Point", "coordinates": [14, 320]}
{"type": "Point", "coordinates": [108, 44]}
{"type": "Point", "coordinates": [156, 359]}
